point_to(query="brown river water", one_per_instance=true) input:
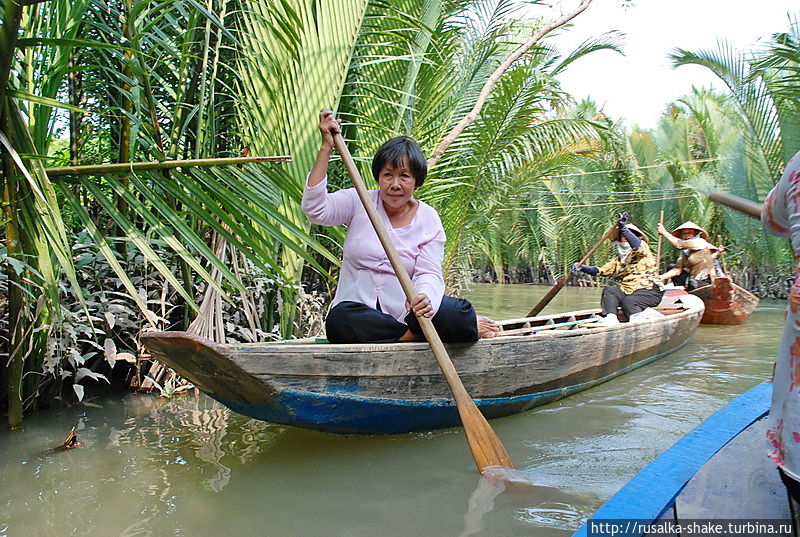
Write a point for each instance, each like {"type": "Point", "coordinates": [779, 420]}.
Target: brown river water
{"type": "Point", "coordinates": [189, 467]}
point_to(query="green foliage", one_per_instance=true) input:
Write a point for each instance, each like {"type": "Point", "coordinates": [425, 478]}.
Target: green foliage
{"type": "Point", "coordinates": [517, 136]}
{"type": "Point", "coordinates": [756, 131]}
{"type": "Point", "coordinates": [157, 82]}
{"type": "Point", "coordinates": [532, 183]}
{"type": "Point", "coordinates": [294, 60]}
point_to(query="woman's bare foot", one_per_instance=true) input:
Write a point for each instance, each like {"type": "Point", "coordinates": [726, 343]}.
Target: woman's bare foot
{"type": "Point", "coordinates": [410, 336]}
{"type": "Point", "coordinates": [487, 327]}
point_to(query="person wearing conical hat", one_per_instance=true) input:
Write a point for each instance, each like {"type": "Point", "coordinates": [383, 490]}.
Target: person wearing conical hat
{"type": "Point", "coordinates": [716, 251]}
{"type": "Point", "coordinates": [635, 266]}
{"type": "Point", "coordinates": [695, 266]}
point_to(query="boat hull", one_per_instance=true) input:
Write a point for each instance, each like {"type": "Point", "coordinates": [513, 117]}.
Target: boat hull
{"type": "Point", "coordinates": [726, 303]}
{"type": "Point", "coordinates": [342, 413]}
{"type": "Point", "coordinates": [398, 387]}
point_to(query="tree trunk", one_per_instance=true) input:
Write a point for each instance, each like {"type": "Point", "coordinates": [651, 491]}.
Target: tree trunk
{"type": "Point", "coordinates": [495, 77]}
{"type": "Point", "coordinates": [124, 134]}
{"type": "Point", "coordinates": [16, 304]}
{"type": "Point", "coordinates": [8, 41]}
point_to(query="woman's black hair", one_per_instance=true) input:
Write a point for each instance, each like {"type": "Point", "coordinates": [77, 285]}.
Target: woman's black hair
{"type": "Point", "coordinates": [394, 151]}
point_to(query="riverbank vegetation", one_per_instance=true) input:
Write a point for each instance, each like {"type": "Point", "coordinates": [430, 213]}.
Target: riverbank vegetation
{"type": "Point", "coordinates": [736, 140]}
{"type": "Point", "coordinates": [97, 248]}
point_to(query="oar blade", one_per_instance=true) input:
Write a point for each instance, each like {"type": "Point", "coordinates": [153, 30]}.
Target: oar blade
{"type": "Point", "coordinates": [487, 449]}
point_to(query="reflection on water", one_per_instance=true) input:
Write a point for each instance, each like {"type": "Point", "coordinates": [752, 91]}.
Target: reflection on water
{"type": "Point", "coordinates": [189, 467]}
{"type": "Point", "coordinates": [481, 502]}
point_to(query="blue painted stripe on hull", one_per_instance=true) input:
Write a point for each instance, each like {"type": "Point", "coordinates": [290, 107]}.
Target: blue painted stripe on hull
{"type": "Point", "coordinates": [344, 412]}
{"type": "Point", "coordinates": [653, 491]}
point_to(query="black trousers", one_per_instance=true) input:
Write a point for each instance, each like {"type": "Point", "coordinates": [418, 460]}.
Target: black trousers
{"type": "Point", "coordinates": [793, 495]}
{"type": "Point", "coordinates": [354, 322]}
{"type": "Point", "coordinates": [614, 298]}
{"type": "Point", "coordinates": [690, 284]}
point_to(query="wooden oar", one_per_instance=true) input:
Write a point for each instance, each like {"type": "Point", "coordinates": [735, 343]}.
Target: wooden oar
{"type": "Point", "coordinates": [658, 251]}
{"type": "Point", "coordinates": [487, 450]}
{"type": "Point", "coordinates": [557, 287]}
{"type": "Point", "coordinates": [743, 205]}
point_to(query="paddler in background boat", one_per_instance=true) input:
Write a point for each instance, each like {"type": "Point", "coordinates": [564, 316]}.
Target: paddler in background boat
{"type": "Point", "coordinates": [635, 265]}
{"type": "Point", "coordinates": [369, 305]}
{"type": "Point", "coordinates": [781, 216]}
{"type": "Point", "coordinates": [716, 251]}
{"type": "Point", "coordinates": [696, 265]}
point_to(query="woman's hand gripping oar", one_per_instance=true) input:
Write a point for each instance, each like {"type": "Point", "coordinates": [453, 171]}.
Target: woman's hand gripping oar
{"type": "Point", "coordinates": [487, 450]}
{"type": "Point", "coordinates": [545, 300]}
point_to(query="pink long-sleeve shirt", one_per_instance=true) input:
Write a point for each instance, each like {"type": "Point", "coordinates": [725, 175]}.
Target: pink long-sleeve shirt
{"type": "Point", "coordinates": [366, 275]}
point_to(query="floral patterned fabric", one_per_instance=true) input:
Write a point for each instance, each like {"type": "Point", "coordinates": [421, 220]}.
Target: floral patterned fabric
{"type": "Point", "coordinates": [781, 216]}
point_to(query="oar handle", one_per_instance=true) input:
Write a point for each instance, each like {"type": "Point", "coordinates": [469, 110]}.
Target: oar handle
{"type": "Point", "coordinates": [743, 205]}
{"type": "Point", "coordinates": [484, 443]}
{"type": "Point", "coordinates": [545, 300]}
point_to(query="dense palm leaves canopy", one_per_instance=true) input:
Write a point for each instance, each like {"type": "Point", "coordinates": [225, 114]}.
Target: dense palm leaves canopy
{"type": "Point", "coordinates": [94, 256]}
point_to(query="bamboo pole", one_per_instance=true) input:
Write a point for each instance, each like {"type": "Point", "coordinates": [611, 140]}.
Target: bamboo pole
{"type": "Point", "coordinates": [74, 85]}
{"type": "Point", "coordinates": [62, 171]}
{"type": "Point", "coordinates": [658, 250]}
{"type": "Point", "coordinates": [126, 109]}
{"type": "Point", "coordinates": [8, 42]}
{"type": "Point", "coordinates": [15, 285]}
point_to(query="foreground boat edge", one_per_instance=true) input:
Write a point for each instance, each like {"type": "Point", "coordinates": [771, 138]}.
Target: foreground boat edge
{"type": "Point", "coordinates": [652, 492]}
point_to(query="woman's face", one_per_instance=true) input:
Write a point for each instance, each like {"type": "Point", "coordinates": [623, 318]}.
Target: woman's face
{"type": "Point", "coordinates": [397, 185]}
{"type": "Point", "coordinates": [686, 234]}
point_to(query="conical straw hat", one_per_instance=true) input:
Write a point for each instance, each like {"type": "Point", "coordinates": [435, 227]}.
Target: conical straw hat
{"type": "Point", "coordinates": [691, 225]}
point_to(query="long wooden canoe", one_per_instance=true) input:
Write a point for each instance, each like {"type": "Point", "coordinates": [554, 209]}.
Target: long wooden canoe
{"type": "Point", "coordinates": [726, 302]}
{"type": "Point", "coordinates": [398, 387]}
{"type": "Point", "coordinates": [719, 471]}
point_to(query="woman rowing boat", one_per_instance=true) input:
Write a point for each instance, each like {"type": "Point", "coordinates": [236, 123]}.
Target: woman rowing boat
{"type": "Point", "coordinates": [369, 305]}
{"type": "Point", "coordinates": [696, 266]}
{"type": "Point", "coordinates": [635, 265]}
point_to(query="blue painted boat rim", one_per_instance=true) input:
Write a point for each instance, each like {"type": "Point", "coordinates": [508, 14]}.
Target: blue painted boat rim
{"type": "Point", "coordinates": [653, 490]}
